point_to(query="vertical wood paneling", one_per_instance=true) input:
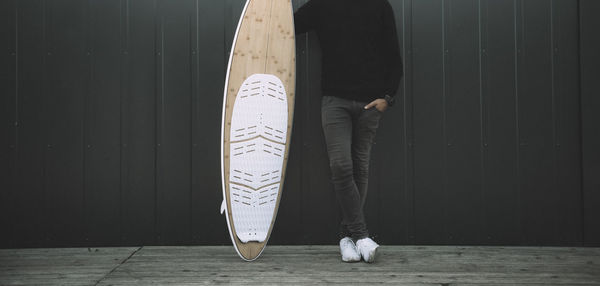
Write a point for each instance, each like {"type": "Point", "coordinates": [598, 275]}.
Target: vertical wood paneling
{"type": "Point", "coordinates": [429, 121]}
{"type": "Point", "coordinates": [463, 123]}
{"type": "Point", "coordinates": [8, 85]}
{"type": "Point", "coordinates": [124, 96]}
{"type": "Point", "coordinates": [207, 222]}
{"type": "Point", "coordinates": [590, 105]}
{"type": "Point", "coordinates": [159, 104]}
{"type": "Point", "coordinates": [518, 41]}
{"type": "Point", "coordinates": [139, 144]}
{"type": "Point", "coordinates": [117, 105]}
{"type": "Point", "coordinates": [537, 161]}
{"type": "Point", "coordinates": [568, 203]}
{"type": "Point", "coordinates": [28, 124]}
{"type": "Point", "coordinates": [64, 104]}
{"type": "Point", "coordinates": [103, 121]}
{"type": "Point", "coordinates": [408, 118]}
{"type": "Point", "coordinates": [195, 188]}
{"type": "Point", "coordinates": [499, 120]}
{"type": "Point", "coordinates": [175, 139]}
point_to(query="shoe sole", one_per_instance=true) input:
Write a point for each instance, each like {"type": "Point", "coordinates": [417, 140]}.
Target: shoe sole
{"type": "Point", "coordinates": [372, 255]}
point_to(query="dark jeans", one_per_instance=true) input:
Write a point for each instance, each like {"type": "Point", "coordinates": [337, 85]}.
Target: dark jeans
{"type": "Point", "coordinates": [349, 133]}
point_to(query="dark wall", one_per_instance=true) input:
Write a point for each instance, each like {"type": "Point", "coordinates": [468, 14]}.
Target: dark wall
{"type": "Point", "coordinates": [590, 102]}
{"type": "Point", "coordinates": [111, 117]}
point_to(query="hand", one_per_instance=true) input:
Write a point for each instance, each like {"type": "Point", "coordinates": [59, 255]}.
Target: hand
{"type": "Point", "coordinates": [380, 103]}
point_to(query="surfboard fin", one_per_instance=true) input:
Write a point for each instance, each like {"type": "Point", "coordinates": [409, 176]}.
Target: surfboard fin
{"type": "Point", "coordinates": [223, 207]}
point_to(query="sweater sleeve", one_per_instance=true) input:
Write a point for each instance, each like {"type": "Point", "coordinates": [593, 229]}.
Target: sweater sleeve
{"type": "Point", "coordinates": [395, 66]}
{"type": "Point", "coordinates": [306, 17]}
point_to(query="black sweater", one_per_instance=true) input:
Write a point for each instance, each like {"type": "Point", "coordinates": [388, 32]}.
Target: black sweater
{"type": "Point", "coordinates": [361, 57]}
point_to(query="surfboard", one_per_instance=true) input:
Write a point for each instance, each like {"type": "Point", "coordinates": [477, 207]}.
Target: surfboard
{"type": "Point", "coordinates": [258, 108]}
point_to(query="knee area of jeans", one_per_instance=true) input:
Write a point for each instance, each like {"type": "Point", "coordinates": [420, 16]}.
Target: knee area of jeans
{"type": "Point", "coordinates": [361, 172]}
{"type": "Point", "coordinates": [341, 168]}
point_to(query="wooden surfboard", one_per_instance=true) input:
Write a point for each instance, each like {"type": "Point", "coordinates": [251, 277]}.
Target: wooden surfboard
{"type": "Point", "coordinates": [256, 128]}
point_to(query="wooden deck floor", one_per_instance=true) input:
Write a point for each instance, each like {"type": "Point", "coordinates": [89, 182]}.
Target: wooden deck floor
{"type": "Point", "coordinates": [399, 265]}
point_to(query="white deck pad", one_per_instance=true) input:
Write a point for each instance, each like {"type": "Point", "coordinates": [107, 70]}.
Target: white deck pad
{"type": "Point", "coordinates": [258, 137]}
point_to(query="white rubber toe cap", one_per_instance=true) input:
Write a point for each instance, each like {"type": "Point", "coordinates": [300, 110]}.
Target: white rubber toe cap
{"type": "Point", "coordinates": [367, 249]}
{"type": "Point", "coordinates": [348, 250]}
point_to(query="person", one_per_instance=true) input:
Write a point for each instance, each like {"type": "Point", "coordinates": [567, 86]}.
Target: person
{"type": "Point", "coordinates": [361, 71]}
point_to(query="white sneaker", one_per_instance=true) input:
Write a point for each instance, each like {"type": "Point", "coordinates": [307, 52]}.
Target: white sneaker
{"type": "Point", "coordinates": [367, 249]}
{"type": "Point", "coordinates": [348, 250]}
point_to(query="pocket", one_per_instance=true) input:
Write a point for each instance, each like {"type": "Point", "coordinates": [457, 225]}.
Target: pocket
{"type": "Point", "coordinates": [377, 110]}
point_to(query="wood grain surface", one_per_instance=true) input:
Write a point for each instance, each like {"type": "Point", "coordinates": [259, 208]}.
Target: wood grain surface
{"type": "Point", "coordinates": [432, 265]}
{"type": "Point", "coordinates": [265, 44]}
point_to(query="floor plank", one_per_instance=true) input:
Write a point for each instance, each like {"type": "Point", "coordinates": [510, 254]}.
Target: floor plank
{"type": "Point", "coordinates": [59, 266]}
{"type": "Point", "coordinates": [206, 265]}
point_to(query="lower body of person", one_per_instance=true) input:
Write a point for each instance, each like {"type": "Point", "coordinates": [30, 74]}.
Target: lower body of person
{"type": "Point", "coordinates": [349, 131]}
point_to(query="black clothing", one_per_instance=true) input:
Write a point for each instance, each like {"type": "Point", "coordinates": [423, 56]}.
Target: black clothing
{"type": "Point", "coordinates": [361, 58]}
{"type": "Point", "coordinates": [349, 131]}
